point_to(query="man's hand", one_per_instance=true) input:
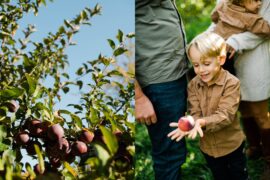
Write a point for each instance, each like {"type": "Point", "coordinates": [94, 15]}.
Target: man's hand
{"type": "Point", "coordinates": [144, 110]}
{"type": "Point", "coordinates": [230, 50]}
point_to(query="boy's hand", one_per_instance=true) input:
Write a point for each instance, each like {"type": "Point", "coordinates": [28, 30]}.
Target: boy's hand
{"type": "Point", "coordinates": [176, 134]}
{"type": "Point", "coordinates": [196, 129]}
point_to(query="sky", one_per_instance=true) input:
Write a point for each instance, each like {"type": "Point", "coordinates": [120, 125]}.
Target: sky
{"type": "Point", "coordinates": [91, 41]}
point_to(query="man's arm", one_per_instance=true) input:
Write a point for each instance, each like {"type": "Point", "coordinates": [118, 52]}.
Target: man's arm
{"type": "Point", "coordinates": [144, 110]}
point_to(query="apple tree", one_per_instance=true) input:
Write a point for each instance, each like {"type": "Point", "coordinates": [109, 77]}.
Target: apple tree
{"type": "Point", "coordinates": [93, 140]}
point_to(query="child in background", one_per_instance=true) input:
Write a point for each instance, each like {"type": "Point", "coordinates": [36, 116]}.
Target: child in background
{"type": "Point", "coordinates": [213, 97]}
{"type": "Point", "coordinates": [236, 16]}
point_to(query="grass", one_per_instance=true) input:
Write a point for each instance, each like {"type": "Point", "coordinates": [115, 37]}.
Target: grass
{"type": "Point", "coordinates": [193, 169]}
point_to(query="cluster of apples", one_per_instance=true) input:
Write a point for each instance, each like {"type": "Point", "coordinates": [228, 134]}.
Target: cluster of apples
{"type": "Point", "coordinates": [57, 147]}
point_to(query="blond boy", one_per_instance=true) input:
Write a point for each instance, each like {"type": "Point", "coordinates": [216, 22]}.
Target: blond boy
{"type": "Point", "coordinates": [213, 97]}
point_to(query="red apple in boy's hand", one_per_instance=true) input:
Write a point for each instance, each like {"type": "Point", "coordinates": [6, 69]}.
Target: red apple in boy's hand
{"type": "Point", "coordinates": [186, 123]}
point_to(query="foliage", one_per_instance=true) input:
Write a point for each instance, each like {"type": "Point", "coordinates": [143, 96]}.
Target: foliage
{"type": "Point", "coordinates": [193, 169]}
{"type": "Point", "coordinates": [28, 107]}
{"type": "Point", "coordinates": [195, 15]}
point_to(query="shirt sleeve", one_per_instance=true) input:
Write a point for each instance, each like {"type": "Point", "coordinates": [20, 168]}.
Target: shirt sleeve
{"type": "Point", "coordinates": [258, 26]}
{"type": "Point", "coordinates": [227, 108]}
{"type": "Point", "coordinates": [193, 102]}
{"type": "Point", "coordinates": [244, 41]}
{"type": "Point", "coordinates": [258, 29]}
{"type": "Point", "coordinates": [215, 16]}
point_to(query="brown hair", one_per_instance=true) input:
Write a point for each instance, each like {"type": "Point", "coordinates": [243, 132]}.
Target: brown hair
{"type": "Point", "coordinates": [239, 2]}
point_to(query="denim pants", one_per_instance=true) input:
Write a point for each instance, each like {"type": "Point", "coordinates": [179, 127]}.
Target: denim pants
{"type": "Point", "coordinates": [170, 101]}
{"type": "Point", "coordinates": [232, 166]}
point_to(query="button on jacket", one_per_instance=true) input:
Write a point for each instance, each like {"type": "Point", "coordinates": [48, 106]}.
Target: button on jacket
{"type": "Point", "coordinates": [217, 104]}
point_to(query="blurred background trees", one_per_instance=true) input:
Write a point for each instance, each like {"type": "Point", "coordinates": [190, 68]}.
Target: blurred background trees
{"type": "Point", "coordinates": [96, 139]}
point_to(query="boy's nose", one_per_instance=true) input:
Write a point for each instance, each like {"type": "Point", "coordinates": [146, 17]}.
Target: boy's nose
{"type": "Point", "coordinates": [201, 69]}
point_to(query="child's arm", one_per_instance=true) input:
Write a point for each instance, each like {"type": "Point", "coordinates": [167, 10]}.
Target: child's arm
{"type": "Point", "coordinates": [227, 108]}
{"type": "Point", "coordinates": [193, 102]}
{"type": "Point", "coordinates": [258, 26]}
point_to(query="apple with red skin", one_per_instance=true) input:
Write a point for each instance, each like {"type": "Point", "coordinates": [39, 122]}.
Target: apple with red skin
{"type": "Point", "coordinates": [22, 138]}
{"type": "Point", "coordinates": [79, 148]}
{"type": "Point", "coordinates": [12, 106]}
{"type": "Point", "coordinates": [55, 132]}
{"type": "Point", "coordinates": [186, 123]}
{"type": "Point", "coordinates": [86, 136]}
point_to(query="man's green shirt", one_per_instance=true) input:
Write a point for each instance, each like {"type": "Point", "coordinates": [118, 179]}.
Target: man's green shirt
{"type": "Point", "coordinates": [160, 42]}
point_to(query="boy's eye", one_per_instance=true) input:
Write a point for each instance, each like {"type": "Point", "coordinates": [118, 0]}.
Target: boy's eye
{"type": "Point", "coordinates": [195, 65]}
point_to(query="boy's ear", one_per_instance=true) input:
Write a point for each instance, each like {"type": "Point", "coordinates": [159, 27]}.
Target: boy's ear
{"type": "Point", "coordinates": [221, 59]}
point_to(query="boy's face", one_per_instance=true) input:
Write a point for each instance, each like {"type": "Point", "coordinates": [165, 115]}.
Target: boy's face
{"type": "Point", "coordinates": [253, 6]}
{"type": "Point", "coordinates": [208, 68]}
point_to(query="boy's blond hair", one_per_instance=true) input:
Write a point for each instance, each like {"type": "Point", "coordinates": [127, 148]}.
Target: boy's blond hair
{"type": "Point", "coordinates": [209, 44]}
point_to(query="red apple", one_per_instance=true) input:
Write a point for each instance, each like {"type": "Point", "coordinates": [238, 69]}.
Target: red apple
{"type": "Point", "coordinates": [12, 106]}
{"type": "Point", "coordinates": [78, 148]}
{"type": "Point", "coordinates": [86, 136]}
{"type": "Point", "coordinates": [22, 138]}
{"type": "Point", "coordinates": [186, 123]}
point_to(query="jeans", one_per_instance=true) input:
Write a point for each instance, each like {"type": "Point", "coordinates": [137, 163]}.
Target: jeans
{"type": "Point", "coordinates": [170, 101]}
{"type": "Point", "coordinates": [229, 167]}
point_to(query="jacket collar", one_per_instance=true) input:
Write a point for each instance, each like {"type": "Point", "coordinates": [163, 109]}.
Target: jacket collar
{"type": "Point", "coordinates": [220, 80]}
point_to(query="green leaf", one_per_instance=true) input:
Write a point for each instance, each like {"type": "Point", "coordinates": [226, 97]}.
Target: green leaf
{"type": "Point", "coordinates": [115, 73]}
{"type": "Point", "coordinates": [84, 14]}
{"type": "Point", "coordinates": [93, 116]}
{"type": "Point", "coordinates": [120, 36]}
{"type": "Point", "coordinates": [111, 42]}
{"type": "Point", "coordinates": [3, 147]}
{"type": "Point", "coordinates": [102, 154]}
{"type": "Point", "coordinates": [80, 84]}
{"type": "Point", "coordinates": [65, 89]}
{"type": "Point", "coordinates": [70, 169]}
{"type": "Point", "coordinates": [11, 93]}
{"type": "Point", "coordinates": [130, 35]}
{"type": "Point", "coordinates": [32, 83]}
{"type": "Point", "coordinates": [120, 50]}
{"type": "Point", "coordinates": [76, 106]}
{"type": "Point", "coordinates": [131, 125]}
{"type": "Point", "coordinates": [61, 30]}
{"type": "Point", "coordinates": [80, 71]}
{"type": "Point", "coordinates": [77, 120]}
{"type": "Point", "coordinates": [40, 158]}
{"type": "Point", "coordinates": [67, 23]}
{"type": "Point", "coordinates": [30, 170]}
{"type": "Point", "coordinates": [63, 111]}
{"type": "Point", "coordinates": [110, 140]}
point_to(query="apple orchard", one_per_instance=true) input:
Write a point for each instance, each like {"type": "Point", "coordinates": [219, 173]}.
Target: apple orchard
{"type": "Point", "coordinates": [96, 140]}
